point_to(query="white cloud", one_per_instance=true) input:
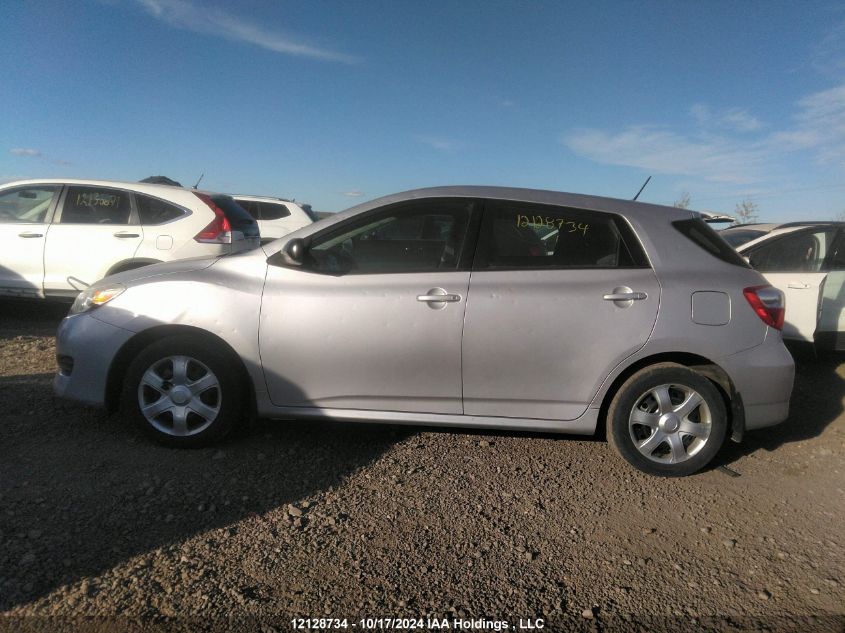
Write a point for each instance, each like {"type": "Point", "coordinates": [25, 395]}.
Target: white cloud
{"type": "Point", "coordinates": [736, 119]}
{"type": "Point", "coordinates": [184, 14]}
{"type": "Point", "coordinates": [740, 120]}
{"type": "Point", "coordinates": [659, 150]}
{"type": "Point", "coordinates": [24, 151]}
{"type": "Point", "coordinates": [818, 127]}
{"type": "Point", "coordinates": [439, 143]}
{"type": "Point", "coordinates": [352, 194]}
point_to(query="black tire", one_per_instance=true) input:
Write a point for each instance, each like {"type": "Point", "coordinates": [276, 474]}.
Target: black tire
{"type": "Point", "coordinates": [226, 399]}
{"type": "Point", "coordinates": [667, 458]}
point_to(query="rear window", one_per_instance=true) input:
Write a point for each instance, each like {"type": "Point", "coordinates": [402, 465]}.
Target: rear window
{"type": "Point", "coordinates": [238, 218]}
{"type": "Point", "coordinates": [698, 232]}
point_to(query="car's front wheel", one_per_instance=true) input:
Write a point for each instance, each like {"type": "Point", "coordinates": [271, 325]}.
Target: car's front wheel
{"type": "Point", "coordinates": [183, 393]}
{"type": "Point", "coordinates": [667, 420]}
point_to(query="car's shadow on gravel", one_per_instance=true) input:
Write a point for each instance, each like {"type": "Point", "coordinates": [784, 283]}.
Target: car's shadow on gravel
{"type": "Point", "coordinates": [82, 492]}
{"type": "Point", "coordinates": [815, 403]}
{"type": "Point", "coordinates": [31, 317]}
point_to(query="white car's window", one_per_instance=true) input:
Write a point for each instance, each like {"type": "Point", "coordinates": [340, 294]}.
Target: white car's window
{"type": "Point", "coordinates": [26, 204]}
{"type": "Point", "coordinates": [804, 251]}
{"type": "Point", "coordinates": [416, 237]}
{"type": "Point", "coordinates": [96, 205]}
{"type": "Point", "coordinates": [272, 211]}
{"type": "Point", "coordinates": [251, 207]}
{"type": "Point", "coordinates": [518, 235]}
{"type": "Point", "coordinates": [154, 211]}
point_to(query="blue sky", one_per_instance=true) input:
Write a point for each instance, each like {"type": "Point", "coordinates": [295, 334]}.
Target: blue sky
{"type": "Point", "coordinates": [336, 102]}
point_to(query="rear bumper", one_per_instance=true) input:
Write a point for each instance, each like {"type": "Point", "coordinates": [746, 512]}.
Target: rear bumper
{"type": "Point", "coordinates": [92, 345]}
{"type": "Point", "coordinates": [763, 376]}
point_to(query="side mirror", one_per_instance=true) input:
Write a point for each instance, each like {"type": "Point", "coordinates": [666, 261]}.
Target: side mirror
{"type": "Point", "coordinates": [294, 252]}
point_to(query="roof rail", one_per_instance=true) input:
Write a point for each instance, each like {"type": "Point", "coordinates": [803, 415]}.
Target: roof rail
{"type": "Point", "coordinates": [812, 223]}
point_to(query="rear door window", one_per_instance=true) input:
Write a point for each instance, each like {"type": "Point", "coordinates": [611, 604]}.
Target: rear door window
{"type": "Point", "coordinates": [96, 205]}
{"type": "Point", "coordinates": [517, 235]}
{"type": "Point", "coordinates": [155, 211]}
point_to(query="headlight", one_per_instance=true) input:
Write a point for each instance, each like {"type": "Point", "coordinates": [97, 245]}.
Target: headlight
{"type": "Point", "coordinates": [94, 297]}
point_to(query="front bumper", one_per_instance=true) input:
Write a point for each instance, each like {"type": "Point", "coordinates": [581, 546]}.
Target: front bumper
{"type": "Point", "coordinates": [763, 376]}
{"type": "Point", "coordinates": [92, 346]}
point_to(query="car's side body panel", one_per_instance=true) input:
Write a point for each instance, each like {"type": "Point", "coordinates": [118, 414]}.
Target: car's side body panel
{"type": "Point", "coordinates": [538, 343]}
{"type": "Point", "coordinates": [362, 341]}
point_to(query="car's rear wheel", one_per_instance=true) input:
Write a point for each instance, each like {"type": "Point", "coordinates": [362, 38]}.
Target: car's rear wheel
{"type": "Point", "coordinates": [667, 420]}
{"type": "Point", "coordinates": [182, 392]}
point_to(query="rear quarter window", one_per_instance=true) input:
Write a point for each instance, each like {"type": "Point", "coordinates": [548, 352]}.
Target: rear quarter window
{"type": "Point", "coordinates": [154, 211]}
{"type": "Point", "coordinates": [699, 233]}
{"type": "Point", "coordinates": [273, 211]}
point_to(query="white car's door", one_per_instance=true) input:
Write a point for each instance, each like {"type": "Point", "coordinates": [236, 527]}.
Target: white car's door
{"type": "Point", "coordinates": [373, 319]}
{"type": "Point", "coordinates": [831, 329]}
{"type": "Point", "coordinates": [95, 228]}
{"type": "Point", "coordinates": [24, 217]}
{"type": "Point", "coordinates": [794, 263]}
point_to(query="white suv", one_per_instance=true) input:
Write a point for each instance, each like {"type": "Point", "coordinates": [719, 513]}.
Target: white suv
{"type": "Point", "coordinates": [276, 216]}
{"type": "Point", "coordinates": [806, 261]}
{"type": "Point", "coordinates": [60, 236]}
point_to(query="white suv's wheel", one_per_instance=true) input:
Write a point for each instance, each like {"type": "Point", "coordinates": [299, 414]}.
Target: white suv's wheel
{"type": "Point", "coordinates": [183, 393]}
{"type": "Point", "coordinates": [667, 420]}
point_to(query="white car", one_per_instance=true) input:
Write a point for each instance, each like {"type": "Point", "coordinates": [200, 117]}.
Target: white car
{"type": "Point", "coordinates": [276, 217]}
{"type": "Point", "coordinates": [806, 261]}
{"type": "Point", "coordinates": [60, 236]}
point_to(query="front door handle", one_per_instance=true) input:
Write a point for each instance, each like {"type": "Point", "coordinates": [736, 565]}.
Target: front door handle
{"type": "Point", "coordinates": [625, 296]}
{"type": "Point", "coordinates": [125, 235]}
{"type": "Point", "coordinates": [30, 235]}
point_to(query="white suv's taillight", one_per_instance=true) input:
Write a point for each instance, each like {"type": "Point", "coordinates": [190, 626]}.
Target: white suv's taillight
{"type": "Point", "coordinates": [218, 231]}
{"type": "Point", "coordinates": [768, 303]}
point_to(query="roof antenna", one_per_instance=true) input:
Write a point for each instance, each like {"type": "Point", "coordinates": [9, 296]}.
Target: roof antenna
{"type": "Point", "coordinates": [201, 175]}
{"type": "Point", "coordinates": [635, 197]}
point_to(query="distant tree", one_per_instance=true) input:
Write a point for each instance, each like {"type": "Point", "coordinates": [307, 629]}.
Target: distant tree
{"type": "Point", "coordinates": [683, 202]}
{"type": "Point", "coordinates": [746, 212]}
{"type": "Point", "coordinates": [840, 217]}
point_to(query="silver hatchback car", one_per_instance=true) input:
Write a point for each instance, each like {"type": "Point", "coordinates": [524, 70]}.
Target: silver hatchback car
{"type": "Point", "coordinates": [455, 306]}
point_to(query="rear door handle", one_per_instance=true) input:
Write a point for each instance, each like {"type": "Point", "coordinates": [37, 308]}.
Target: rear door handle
{"type": "Point", "coordinates": [439, 298]}
{"type": "Point", "coordinates": [798, 285]}
{"type": "Point", "coordinates": [125, 235]}
{"type": "Point", "coordinates": [625, 296]}
{"type": "Point", "coordinates": [30, 235]}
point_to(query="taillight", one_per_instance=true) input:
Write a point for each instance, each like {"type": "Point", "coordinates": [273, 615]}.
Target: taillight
{"type": "Point", "coordinates": [768, 303]}
{"type": "Point", "coordinates": [218, 231]}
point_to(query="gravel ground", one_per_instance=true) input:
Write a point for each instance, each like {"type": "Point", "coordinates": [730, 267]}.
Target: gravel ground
{"type": "Point", "coordinates": [100, 529]}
